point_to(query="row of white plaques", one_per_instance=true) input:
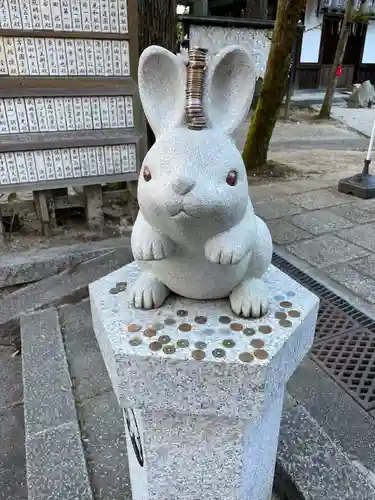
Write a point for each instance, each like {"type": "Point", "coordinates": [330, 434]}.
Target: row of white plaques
{"type": "Point", "coordinates": [65, 113]}
{"type": "Point", "coordinates": [108, 16]}
{"type": "Point", "coordinates": [63, 57]}
{"type": "Point", "coordinates": [59, 164]}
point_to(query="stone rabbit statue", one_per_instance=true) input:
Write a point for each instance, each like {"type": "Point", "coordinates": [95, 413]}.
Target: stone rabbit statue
{"type": "Point", "coordinates": [196, 233]}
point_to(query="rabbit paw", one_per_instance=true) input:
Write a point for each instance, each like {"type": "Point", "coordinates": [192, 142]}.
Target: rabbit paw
{"type": "Point", "coordinates": [222, 250]}
{"type": "Point", "coordinates": [250, 298]}
{"type": "Point", "coordinates": [152, 247]}
{"type": "Point", "coordinates": [148, 292]}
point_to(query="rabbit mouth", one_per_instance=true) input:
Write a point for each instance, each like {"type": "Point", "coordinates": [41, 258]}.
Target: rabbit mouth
{"type": "Point", "coordinates": [182, 214]}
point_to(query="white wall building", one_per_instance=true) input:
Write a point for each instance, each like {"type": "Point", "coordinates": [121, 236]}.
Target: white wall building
{"type": "Point", "coordinates": [323, 20]}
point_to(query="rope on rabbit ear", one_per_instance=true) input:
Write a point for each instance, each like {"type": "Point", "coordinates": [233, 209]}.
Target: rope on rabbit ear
{"type": "Point", "coordinates": [196, 69]}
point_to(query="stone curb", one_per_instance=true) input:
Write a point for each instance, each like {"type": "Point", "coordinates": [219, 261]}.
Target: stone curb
{"type": "Point", "coordinates": [68, 287]}
{"type": "Point", "coordinates": [35, 265]}
{"type": "Point", "coordinates": [310, 466]}
{"type": "Point", "coordinates": [55, 460]}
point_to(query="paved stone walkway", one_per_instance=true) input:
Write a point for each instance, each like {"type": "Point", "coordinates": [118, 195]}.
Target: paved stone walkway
{"type": "Point", "coordinates": [358, 119]}
{"type": "Point", "coordinates": [326, 231]}
{"type": "Point", "coordinates": [12, 452]}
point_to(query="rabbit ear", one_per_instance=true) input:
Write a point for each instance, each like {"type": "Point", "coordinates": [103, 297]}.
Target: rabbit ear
{"type": "Point", "coordinates": [230, 89]}
{"type": "Point", "coordinates": [162, 81]}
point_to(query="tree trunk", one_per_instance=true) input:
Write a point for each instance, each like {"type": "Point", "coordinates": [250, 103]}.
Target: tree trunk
{"type": "Point", "coordinates": [256, 9]}
{"type": "Point", "coordinates": [157, 26]}
{"type": "Point", "coordinates": [325, 111]}
{"type": "Point", "coordinates": [274, 83]}
{"type": "Point", "coordinates": [157, 23]}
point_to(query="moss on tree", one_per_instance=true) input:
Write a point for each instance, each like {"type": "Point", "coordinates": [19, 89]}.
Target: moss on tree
{"type": "Point", "coordinates": [274, 83]}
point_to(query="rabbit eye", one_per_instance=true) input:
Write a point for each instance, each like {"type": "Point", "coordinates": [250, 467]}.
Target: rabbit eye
{"type": "Point", "coordinates": [147, 174]}
{"type": "Point", "coordinates": [232, 178]}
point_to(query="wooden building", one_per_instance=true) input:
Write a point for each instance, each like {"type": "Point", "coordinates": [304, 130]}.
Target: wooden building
{"type": "Point", "coordinates": [322, 23]}
{"type": "Point", "coordinates": [253, 9]}
{"type": "Point", "coordinates": [323, 20]}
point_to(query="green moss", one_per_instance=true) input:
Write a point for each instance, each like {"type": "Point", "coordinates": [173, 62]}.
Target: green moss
{"type": "Point", "coordinates": [274, 85]}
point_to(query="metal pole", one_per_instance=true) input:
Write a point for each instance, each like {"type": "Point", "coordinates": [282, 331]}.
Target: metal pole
{"type": "Point", "coordinates": [366, 169]}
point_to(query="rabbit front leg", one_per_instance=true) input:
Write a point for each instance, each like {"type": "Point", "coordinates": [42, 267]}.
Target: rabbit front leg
{"type": "Point", "coordinates": [148, 244]}
{"type": "Point", "coordinates": [232, 246]}
{"type": "Point", "coordinates": [250, 297]}
{"type": "Point", "coordinates": [148, 292]}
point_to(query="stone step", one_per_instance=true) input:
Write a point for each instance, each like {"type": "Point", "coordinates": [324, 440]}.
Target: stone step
{"type": "Point", "coordinates": [69, 286]}
{"type": "Point", "coordinates": [311, 466]}
{"type": "Point", "coordinates": [55, 461]}
{"type": "Point", "coordinates": [35, 265]}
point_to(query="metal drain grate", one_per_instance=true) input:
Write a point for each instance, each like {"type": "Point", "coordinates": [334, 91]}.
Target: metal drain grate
{"type": "Point", "coordinates": [350, 359]}
{"type": "Point", "coordinates": [332, 321]}
{"type": "Point", "coordinates": [344, 345]}
{"type": "Point", "coordinates": [323, 292]}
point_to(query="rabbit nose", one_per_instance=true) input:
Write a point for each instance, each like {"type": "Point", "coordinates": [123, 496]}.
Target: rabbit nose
{"type": "Point", "coordinates": [182, 186]}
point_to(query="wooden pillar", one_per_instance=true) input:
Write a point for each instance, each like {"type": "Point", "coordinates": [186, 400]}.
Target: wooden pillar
{"type": "Point", "coordinates": [45, 209]}
{"type": "Point", "coordinates": [256, 9]}
{"type": "Point", "coordinates": [94, 206]}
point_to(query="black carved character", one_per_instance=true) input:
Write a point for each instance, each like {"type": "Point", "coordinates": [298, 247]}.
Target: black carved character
{"type": "Point", "coordinates": [135, 437]}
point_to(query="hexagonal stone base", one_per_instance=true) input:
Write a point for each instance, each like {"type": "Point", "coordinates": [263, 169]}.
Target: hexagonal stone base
{"type": "Point", "coordinates": [201, 389]}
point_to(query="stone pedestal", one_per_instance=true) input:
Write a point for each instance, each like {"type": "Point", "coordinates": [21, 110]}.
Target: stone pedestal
{"type": "Point", "coordinates": [201, 389]}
